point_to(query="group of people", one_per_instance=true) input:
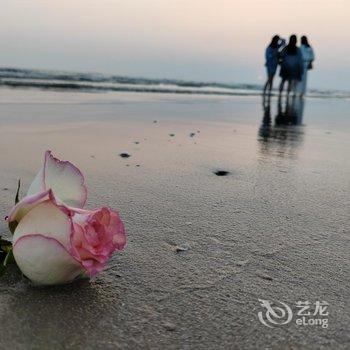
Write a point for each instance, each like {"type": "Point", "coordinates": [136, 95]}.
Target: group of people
{"type": "Point", "coordinates": [294, 64]}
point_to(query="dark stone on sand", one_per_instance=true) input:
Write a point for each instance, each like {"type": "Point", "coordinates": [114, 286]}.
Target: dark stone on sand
{"type": "Point", "coordinates": [137, 165]}
{"type": "Point", "coordinates": [155, 121]}
{"type": "Point", "coordinates": [221, 173]}
{"type": "Point", "coordinates": [5, 189]}
{"type": "Point", "coordinates": [136, 142]}
{"type": "Point", "coordinates": [192, 134]}
{"type": "Point", "coordinates": [241, 263]}
{"type": "Point", "coordinates": [171, 135]}
{"type": "Point", "coordinates": [124, 155]}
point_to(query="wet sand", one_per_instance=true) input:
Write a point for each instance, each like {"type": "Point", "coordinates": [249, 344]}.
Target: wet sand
{"type": "Point", "coordinates": [202, 249]}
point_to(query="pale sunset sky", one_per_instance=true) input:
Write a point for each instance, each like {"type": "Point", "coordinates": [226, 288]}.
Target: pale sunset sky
{"type": "Point", "coordinates": [206, 40]}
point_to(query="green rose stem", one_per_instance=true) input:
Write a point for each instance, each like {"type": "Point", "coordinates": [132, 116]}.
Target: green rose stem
{"type": "Point", "coordinates": [17, 193]}
{"type": "Point", "coordinates": [6, 254]}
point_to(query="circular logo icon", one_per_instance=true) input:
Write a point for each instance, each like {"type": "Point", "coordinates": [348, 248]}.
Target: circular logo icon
{"type": "Point", "coordinates": [274, 315]}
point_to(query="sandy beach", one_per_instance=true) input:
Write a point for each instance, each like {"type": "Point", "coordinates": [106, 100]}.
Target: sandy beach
{"type": "Point", "coordinates": [202, 249]}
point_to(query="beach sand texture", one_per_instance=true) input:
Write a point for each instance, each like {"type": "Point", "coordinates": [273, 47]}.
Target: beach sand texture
{"type": "Point", "coordinates": [202, 249]}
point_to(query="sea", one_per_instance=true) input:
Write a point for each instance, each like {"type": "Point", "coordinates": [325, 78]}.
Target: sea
{"type": "Point", "coordinates": [96, 82]}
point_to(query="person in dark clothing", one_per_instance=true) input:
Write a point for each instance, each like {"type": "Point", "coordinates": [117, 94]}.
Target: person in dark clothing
{"type": "Point", "coordinates": [291, 62]}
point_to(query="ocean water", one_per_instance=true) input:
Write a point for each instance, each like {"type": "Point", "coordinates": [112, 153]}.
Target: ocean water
{"type": "Point", "coordinates": [96, 82]}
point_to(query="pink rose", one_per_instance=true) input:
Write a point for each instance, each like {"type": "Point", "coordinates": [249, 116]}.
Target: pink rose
{"type": "Point", "coordinates": [55, 240]}
{"type": "Point", "coordinates": [96, 235]}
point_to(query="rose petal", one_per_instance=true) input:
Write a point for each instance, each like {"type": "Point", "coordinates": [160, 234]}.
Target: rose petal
{"type": "Point", "coordinates": [65, 179]}
{"type": "Point", "coordinates": [97, 234]}
{"type": "Point", "coordinates": [49, 219]}
{"type": "Point", "coordinates": [45, 261]}
{"type": "Point", "coordinates": [38, 184]}
{"type": "Point", "coordinates": [26, 204]}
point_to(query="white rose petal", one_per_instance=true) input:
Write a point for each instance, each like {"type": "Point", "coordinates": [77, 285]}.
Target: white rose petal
{"type": "Point", "coordinates": [45, 261]}
{"type": "Point", "coordinates": [65, 180]}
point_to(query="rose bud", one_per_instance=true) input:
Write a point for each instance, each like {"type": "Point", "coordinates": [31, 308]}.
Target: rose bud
{"type": "Point", "coordinates": [54, 243]}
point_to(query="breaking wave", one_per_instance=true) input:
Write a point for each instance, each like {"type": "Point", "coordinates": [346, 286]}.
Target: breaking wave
{"type": "Point", "coordinates": [95, 82]}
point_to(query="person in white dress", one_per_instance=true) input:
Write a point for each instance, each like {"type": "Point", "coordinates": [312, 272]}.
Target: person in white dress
{"type": "Point", "coordinates": [308, 57]}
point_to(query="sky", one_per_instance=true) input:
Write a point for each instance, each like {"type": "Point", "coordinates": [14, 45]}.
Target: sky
{"type": "Point", "coordinates": [205, 40]}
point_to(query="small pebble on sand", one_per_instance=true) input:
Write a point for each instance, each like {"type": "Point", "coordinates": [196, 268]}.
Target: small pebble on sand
{"type": "Point", "coordinates": [124, 155]}
{"type": "Point", "coordinates": [221, 173]}
{"type": "Point", "coordinates": [169, 326]}
{"type": "Point", "coordinates": [182, 248]}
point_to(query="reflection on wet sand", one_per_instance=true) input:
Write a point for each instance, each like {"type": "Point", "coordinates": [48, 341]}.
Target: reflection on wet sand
{"type": "Point", "coordinates": [286, 134]}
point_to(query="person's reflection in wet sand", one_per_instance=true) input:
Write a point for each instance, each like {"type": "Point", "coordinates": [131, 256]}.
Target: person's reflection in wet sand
{"type": "Point", "coordinates": [265, 127]}
{"type": "Point", "coordinates": [292, 114]}
{"type": "Point", "coordinates": [285, 136]}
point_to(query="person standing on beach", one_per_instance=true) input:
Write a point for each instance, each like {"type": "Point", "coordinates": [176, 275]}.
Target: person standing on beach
{"type": "Point", "coordinates": [291, 62]}
{"type": "Point", "coordinates": [308, 57]}
{"type": "Point", "coordinates": [271, 57]}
